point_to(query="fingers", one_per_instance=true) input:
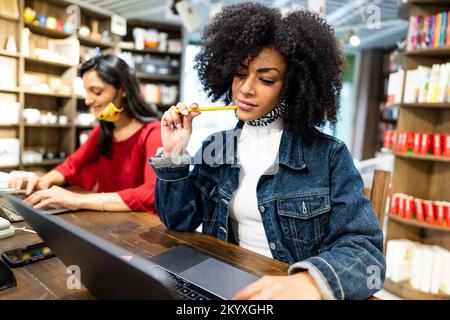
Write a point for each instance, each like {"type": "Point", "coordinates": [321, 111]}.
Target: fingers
{"type": "Point", "coordinates": [44, 203]}
{"type": "Point", "coordinates": [250, 291]}
{"type": "Point", "coordinates": [17, 183]}
{"type": "Point", "coordinates": [187, 120]}
{"type": "Point", "coordinates": [181, 119]}
{"type": "Point", "coordinates": [171, 119]}
{"type": "Point", "coordinates": [32, 182]}
{"type": "Point", "coordinates": [36, 197]}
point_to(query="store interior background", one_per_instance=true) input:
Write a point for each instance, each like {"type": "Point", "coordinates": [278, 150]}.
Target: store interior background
{"type": "Point", "coordinates": [374, 37]}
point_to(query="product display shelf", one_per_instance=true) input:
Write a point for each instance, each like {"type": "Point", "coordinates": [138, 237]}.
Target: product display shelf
{"type": "Point", "coordinates": [423, 177]}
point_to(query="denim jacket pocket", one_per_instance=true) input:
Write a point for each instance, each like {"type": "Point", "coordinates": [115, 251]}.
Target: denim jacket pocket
{"type": "Point", "coordinates": [303, 219]}
{"type": "Point", "coordinates": [209, 193]}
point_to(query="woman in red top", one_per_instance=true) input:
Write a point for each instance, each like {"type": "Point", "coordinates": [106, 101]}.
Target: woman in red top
{"type": "Point", "coordinates": [112, 163]}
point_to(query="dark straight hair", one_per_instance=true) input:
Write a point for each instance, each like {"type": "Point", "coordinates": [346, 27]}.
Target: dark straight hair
{"type": "Point", "coordinates": [117, 73]}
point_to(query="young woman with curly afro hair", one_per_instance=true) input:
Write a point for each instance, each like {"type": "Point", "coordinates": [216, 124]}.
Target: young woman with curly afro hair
{"type": "Point", "coordinates": [274, 184]}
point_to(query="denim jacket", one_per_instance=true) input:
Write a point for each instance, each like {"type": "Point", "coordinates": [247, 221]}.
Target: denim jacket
{"type": "Point", "coordinates": [312, 206]}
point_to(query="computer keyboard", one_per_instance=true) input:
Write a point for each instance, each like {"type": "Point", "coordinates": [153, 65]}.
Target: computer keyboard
{"type": "Point", "coordinates": [185, 290]}
{"type": "Point", "coordinates": [8, 212]}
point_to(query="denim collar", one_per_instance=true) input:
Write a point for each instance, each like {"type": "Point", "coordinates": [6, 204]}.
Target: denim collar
{"type": "Point", "coordinates": [290, 152]}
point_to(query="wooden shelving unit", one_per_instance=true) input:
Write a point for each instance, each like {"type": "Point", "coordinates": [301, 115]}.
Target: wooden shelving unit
{"type": "Point", "coordinates": [403, 289]}
{"type": "Point", "coordinates": [421, 157]}
{"type": "Point", "coordinates": [152, 51]}
{"type": "Point", "coordinates": [32, 60]}
{"type": "Point", "coordinates": [157, 78]}
{"type": "Point", "coordinates": [173, 32]}
{"type": "Point", "coordinates": [384, 123]}
{"type": "Point", "coordinates": [52, 162]}
{"type": "Point", "coordinates": [43, 31]}
{"type": "Point", "coordinates": [419, 224]}
{"type": "Point", "coordinates": [425, 177]}
{"type": "Point", "coordinates": [5, 53]}
{"type": "Point", "coordinates": [64, 137]}
{"type": "Point", "coordinates": [86, 41]}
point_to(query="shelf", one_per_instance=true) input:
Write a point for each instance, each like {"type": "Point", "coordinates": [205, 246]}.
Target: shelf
{"type": "Point", "coordinates": [421, 157]}
{"type": "Point", "coordinates": [51, 162]}
{"type": "Point", "coordinates": [404, 9]}
{"type": "Point", "coordinates": [430, 52]}
{"type": "Point", "coordinates": [416, 224]}
{"type": "Point", "coordinates": [8, 167]}
{"type": "Point", "coordinates": [48, 62]}
{"type": "Point", "coordinates": [386, 151]}
{"type": "Point", "coordinates": [157, 77]}
{"type": "Point", "coordinates": [85, 41]}
{"type": "Point", "coordinates": [40, 125]}
{"type": "Point", "coordinates": [47, 94]}
{"type": "Point", "coordinates": [14, 19]}
{"type": "Point", "coordinates": [152, 51]}
{"type": "Point", "coordinates": [426, 105]}
{"type": "Point", "coordinates": [43, 31]}
{"type": "Point", "coordinates": [10, 90]}
{"type": "Point", "coordinates": [404, 290]}
{"type": "Point", "coordinates": [389, 120]}
{"type": "Point", "coordinates": [392, 105]}
{"type": "Point", "coordinates": [84, 127]}
{"type": "Point", "coordinates": [5, 53]}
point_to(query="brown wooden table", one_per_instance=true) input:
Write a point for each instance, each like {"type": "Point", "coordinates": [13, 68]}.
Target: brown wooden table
{"type": "Point", "coordinates": [140, 233]}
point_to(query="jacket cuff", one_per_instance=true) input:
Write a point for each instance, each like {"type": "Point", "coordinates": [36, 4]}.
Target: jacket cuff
{"type": "Point", "coordinates": [323, 273]}
{"type": "Point", "coordinates": [171, 168]}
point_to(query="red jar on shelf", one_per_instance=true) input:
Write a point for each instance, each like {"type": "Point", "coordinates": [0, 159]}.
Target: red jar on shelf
{"type": "Point", "coordinates": [437, 145]}
{"type": "Point", "coordinates": [402, 145]}
{"type": "Point", "coordinates": [429, 211]}
{"type": "Point", "coordinates": [417, 142]}
{"type": "Point", "coordinates": [387, 140]}
{"type": "Point", "coordinates": [426, 143]}
{"type": "Point", "coordinates": [393, 139]}
{"type": "Point", "coordinates": [439, 210]}
{"type": "Point", "coordinates": [402, 205]}
{"type": "Point", "coordinates": [394, 204]}
{"type": "Point", "coordinates": [418, 210]}
{"type": "Point", "coordinates": [446, 146]}
{"type": "Point", "coordinates": [409, 207]}
{"type": "Point", "coordinates": [447, 213]}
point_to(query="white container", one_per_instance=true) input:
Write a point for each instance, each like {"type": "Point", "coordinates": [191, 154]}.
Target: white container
{"type": "Point", "coordinates": [31, 115]}
{"type": "Point", "coordinates": [10, 112]}
{"type": "Point", "coordinates": [9, 152]}
{"type": "Point", "coordinates": [139, 38]}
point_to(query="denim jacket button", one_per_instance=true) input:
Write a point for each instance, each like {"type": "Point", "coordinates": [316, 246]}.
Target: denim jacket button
{"type": "Point", "coordinates": [272, 246]}
{"type": "Point", "coordinates": [262, 209]}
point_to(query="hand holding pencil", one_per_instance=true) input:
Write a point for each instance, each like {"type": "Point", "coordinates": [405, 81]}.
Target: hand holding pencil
{"type": "Point", "coordinates": [176, 128]}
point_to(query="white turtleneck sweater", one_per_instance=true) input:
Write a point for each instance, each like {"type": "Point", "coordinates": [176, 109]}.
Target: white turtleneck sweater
{"type": "Point", "coordinates": [257, 150]}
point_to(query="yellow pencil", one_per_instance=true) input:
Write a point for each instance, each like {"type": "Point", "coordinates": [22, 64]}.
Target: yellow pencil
{"type": "Point", "coordinates": [209, 109]}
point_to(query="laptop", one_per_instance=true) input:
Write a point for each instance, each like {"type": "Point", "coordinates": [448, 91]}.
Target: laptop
{"type": "Point", "coordinates": [111, 272]}
{"type": "Point", "coordinates": [10, 213]}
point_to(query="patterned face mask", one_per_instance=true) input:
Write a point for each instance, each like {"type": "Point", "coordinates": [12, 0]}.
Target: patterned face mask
{"type": "Point", "coordinates": [270, 117]}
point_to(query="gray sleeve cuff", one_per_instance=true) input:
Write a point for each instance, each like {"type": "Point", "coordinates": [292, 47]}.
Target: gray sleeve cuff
{"type": "Point", "coordinates": [318, 277]}
{"type": "Point", "coordinates": [174, 161]}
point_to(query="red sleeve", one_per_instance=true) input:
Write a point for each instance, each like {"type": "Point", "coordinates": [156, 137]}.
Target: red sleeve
{"type": "Point", "coordinates": [142, 197]}
{"type": "Point", "coordinates": [77, 169]}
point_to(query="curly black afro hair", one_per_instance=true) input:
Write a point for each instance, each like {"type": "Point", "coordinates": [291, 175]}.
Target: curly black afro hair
{"type": "Point", "coordinates": [313, 58]}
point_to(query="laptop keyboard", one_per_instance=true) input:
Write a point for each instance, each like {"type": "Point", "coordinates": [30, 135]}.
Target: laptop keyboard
{"type": "Point", "coordinates": [10, 212]}
{"type": "Point", "coordinates": [185, 290]}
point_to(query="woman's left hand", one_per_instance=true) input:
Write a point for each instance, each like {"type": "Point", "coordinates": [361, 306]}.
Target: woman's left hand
{"type": "Point", "coordinates": [299, 286]}
{"type": "Point", "coordinates": [55, 196]}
